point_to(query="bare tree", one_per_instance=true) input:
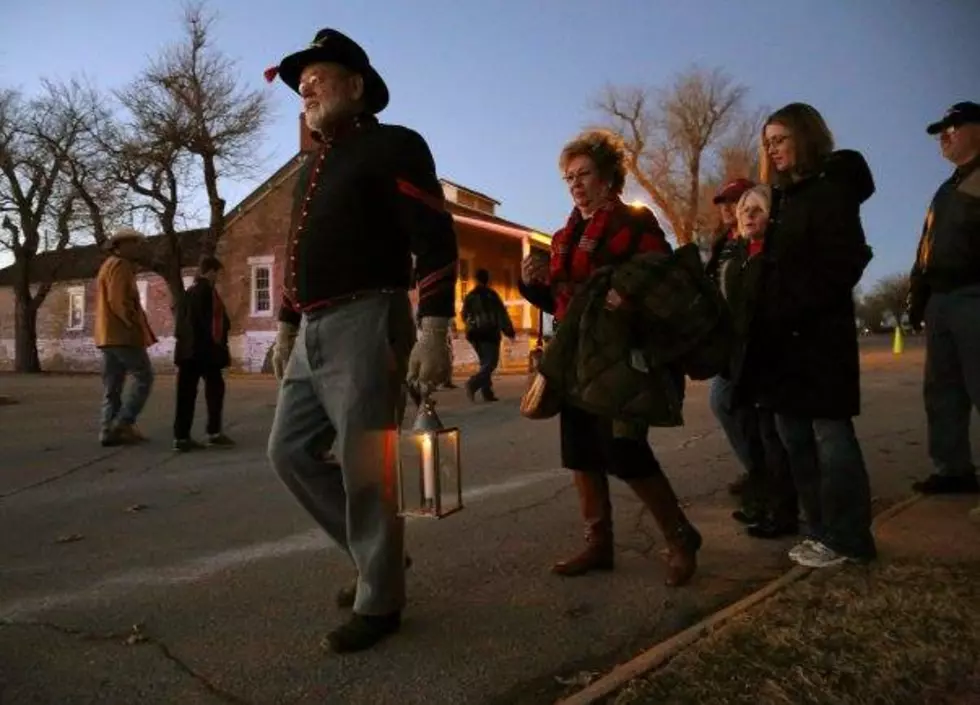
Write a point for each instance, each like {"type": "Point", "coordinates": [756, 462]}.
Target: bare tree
{"type": "Point", "coordinates": [672, 136]}
{"type": "Point", "coordinates": [189, 122]}
{"type": "Point", "coordinates": [104, 202]}
{"type": "Point", "coordinates": [222, 119]}
{"type": "Point", "coordinates": [148, 160]}
{"type": "Point", "coordinates": [736, 156]}
{"type": "Point", "coordinates": [37, 201]}
{"type": "Point", "coordinates": [892, 292]}
{"type": "Point", "coordinates": [884, 303]}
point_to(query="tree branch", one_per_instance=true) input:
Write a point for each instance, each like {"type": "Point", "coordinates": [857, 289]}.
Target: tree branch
{"type": "Point", "coordinates": [672, 136]}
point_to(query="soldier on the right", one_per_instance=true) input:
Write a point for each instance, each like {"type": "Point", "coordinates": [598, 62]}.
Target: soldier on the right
{"type": "Point", "coordinates": [945, 294]}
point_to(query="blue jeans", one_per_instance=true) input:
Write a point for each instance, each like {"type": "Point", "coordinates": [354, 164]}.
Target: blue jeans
{"type": "Point", "coordinates": [735, 421]}
{"type": "Point", "coordinates": [752, 434]}
{"type": "Point", "coordinates": [488, 353]}
{"type": "Point", "coordinates": [117, 362]}
{"type": "Point", "coordinates": [952, 377]}
{"type": "Point", "coordinates": [831, 481]}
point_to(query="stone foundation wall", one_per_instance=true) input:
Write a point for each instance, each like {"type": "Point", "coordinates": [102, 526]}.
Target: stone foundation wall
{"type": "Point", "coordinates": [250, 353]}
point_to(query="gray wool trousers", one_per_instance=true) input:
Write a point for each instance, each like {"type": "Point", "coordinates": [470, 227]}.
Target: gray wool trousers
{"type": "Point", "coordinates": [342, 389]}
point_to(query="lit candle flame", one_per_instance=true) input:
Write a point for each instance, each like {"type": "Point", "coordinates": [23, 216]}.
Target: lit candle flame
{"type": "Point", "coordinates": [428, 468]}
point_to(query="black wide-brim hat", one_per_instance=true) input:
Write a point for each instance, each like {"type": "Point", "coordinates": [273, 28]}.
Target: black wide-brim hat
{"type": "Point", "coordinates": [332, 46]}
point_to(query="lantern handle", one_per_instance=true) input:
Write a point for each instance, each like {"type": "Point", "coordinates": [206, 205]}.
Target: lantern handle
{"type": "Point", "coordinates": [426, 419]}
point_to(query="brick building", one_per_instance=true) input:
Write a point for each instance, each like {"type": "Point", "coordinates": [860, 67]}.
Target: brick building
{"type": "Point", "coordinates": [252, 251]}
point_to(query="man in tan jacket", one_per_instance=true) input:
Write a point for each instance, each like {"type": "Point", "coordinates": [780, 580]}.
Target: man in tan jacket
{"type": "Point", "coordinates": [123, 334]}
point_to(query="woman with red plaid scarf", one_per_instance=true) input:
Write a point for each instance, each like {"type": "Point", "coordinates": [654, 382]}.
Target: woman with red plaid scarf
{"type": "Point", "coordinates": [602, 230]}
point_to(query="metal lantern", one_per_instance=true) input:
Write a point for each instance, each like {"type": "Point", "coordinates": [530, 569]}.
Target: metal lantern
{"type": "Point", "coordinates": [433, 450]}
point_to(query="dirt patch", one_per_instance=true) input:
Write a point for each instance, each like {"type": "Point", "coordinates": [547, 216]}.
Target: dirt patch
{"type": "Point", "coordinates": [891, 634]}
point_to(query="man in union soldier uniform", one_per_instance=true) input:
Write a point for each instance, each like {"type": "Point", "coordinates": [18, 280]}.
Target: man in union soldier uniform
{"type": "Point", "coordinates": [367, 201]}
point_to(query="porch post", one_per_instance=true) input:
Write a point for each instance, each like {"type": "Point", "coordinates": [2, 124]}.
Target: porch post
{"type": "Point", "coordinates": [526, 322]}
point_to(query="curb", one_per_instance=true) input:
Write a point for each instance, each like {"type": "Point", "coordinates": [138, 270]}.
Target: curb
{"type": "Point", "coordinates": [663, 652]}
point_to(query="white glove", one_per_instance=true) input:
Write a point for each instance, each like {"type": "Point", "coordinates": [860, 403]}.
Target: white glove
{"type": "Point", "coordinates": [430, 363]}
{"type": "Point", "coordinates": [285, 338]}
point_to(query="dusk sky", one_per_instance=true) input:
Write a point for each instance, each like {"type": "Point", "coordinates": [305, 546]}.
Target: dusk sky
{"type": "Point", "coordinates": [497, 87]}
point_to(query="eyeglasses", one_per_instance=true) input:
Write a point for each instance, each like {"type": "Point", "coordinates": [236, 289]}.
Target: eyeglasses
{"type": "Point", "coordinates": [577, 176]}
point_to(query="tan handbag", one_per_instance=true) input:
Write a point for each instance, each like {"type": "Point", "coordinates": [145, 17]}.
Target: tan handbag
{"type": "Point", "coordinates": [540, 400]}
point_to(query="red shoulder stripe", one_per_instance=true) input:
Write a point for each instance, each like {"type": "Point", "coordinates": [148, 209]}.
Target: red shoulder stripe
{"type": "Point", "coordinates": [409, 189]}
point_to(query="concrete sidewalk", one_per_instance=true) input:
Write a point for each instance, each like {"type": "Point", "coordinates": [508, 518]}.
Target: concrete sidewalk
{"type": "Point", "coordinates": [933, 531]}
{"type": "Point", "coordinates": [937, 528]}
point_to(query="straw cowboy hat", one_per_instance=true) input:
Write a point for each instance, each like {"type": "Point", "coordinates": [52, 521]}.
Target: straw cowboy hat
{"type": "Point", "coordinates": [122, 235]}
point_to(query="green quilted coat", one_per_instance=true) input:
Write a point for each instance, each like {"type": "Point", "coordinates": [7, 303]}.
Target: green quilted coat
{"type": "Point", "coordinates": [628, 364]}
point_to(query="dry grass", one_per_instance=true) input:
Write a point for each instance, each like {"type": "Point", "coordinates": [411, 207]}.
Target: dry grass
{"type": "Point", "coordinates": [899, 633]}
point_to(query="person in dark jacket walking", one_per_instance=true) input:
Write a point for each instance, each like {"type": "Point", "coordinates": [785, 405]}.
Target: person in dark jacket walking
{"type": "Point", "coordinates": [201, 353]}
{"type": "Point", "coordinates": [366, 201]}
{"type": "Point", "coordinates": [802, 360]}
{"type": "Point", "coordinates": [486, 320]}
{"type": "Point", "coordinates": [604, 231]}
{"type": "Point", "coordinates": [945, 294]}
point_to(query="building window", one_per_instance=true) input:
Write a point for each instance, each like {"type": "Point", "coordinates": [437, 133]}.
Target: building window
{"type": "Point", "coordinates": [261, 285]}
{"type": "Point", "coordinates": [143, 285]}
{"type": "Point", "coordinates": [76, 308]}
{"type": "Point", "coordinates": [507, 283]}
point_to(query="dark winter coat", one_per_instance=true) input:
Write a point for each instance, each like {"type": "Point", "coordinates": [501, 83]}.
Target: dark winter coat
{"type": "Point", "coordinates": [720, 241]}
{"type": "Point", "coordinates": [202, 327]}
{"type": "Point", "coordinates": [737, 275]}
{"type": "Point", "coordinates": [802, 357]}
{"type": "Point", "coordinates": [365, 203]}
{"type": "Point", "coordinates": [628, 363]}
{"type": "Point", "coordinates": [485, 316]}
{"type": "Point", "coordinates": [948, 256]}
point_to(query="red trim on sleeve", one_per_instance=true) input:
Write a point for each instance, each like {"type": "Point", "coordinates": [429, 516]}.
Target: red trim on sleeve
{"type": "Point", "coordinates": [409, 189]}
{"type": "Point", "coordinates": [447, 272]}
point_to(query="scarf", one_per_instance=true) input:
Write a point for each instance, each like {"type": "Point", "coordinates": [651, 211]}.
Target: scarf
{"type": "Point", "coordinates": [217, 317]}
{"type": "Point", "coordinates": [616, 231]}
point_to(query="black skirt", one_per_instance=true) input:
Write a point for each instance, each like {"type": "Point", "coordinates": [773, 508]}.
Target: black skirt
{"type": "Point", "coordinates": [591, 443]}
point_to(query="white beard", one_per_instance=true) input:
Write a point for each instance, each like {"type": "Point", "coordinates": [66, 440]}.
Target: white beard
{"type": "Point", "coordinates": [325, 114]}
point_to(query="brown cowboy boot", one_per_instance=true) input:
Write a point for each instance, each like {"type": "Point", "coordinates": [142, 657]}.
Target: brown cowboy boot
{"type": "Point", "coordinates": [593, 494]}
{"type": "Point", "coordinates": [683, 540]}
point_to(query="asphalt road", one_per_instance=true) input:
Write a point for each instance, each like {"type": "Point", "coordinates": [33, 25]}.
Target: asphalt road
{"type": "Point", "coordinates": [139, 576]}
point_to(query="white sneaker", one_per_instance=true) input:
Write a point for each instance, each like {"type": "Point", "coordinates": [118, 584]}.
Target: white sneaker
{"type": "Point", "coordinates": [817, 555]}
{"type": "Point", "coordinates": [804, 545]}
